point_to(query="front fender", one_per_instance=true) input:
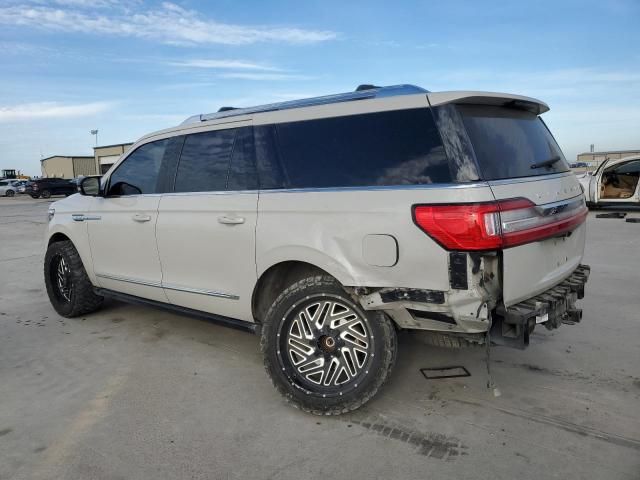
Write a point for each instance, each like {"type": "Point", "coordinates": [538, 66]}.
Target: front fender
{"type": "Point", "coordinates": [62, 223]}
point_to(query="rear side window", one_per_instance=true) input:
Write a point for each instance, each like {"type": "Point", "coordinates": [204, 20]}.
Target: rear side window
{"type": "Point", "coordinates": [508, 142]}
{"type": "Point", "coordinates": [242, 171]}
{"type": "Point", "coordinates": [216, 161]}
{"type": "Point", "coordinates": [386, 148]}
{"type": "Point", "coordinates": [204, 161]}
{"type": "Point", "coordinates": [138, 173]}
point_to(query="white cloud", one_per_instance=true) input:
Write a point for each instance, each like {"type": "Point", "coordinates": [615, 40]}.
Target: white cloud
{"type": "Point", "coordinates": [169, 23]}
{"type": "Point", "coordinates": [29, 111]}
{"type": "Point", "coordinates": [264, 76]}
{"type": "Point", "coordinates": [224, 64]}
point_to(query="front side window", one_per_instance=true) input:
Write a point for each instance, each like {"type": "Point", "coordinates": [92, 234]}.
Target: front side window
{"type": "Point", "coordinates": [139, 172]}
{"type": "Point", "coordinates": [385, 148]}
{"type": "Point", "coordinates": [204, 162]}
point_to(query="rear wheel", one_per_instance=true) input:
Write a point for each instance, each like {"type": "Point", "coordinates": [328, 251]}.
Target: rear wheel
{"type": "Point", "coordinates": [45, 194]}
{"type": "Point", "coordinates": [35, 196]}
{"type": "Point", "coordinates": [10, 193]}
{"type": "Point", "coordinates": [68, 286]}
{"type": "Point", "coordinates": [324, 353]}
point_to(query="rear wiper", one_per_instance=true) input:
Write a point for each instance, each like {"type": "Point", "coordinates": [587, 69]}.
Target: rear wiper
{"type": "Point", "coordinates": [546, 163]}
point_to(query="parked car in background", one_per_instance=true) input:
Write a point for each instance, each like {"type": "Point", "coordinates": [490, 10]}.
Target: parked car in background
{"type": "Point", "coordinates": [579, 165]}
{"type": "Point", "coordinates": [328, 224]}
{"type": "Point", "coordinates": [8, 188]}
{"type": "Point", "coordinates": [46, 187]}
{"type": "Point", "coordinates": [615, 182]}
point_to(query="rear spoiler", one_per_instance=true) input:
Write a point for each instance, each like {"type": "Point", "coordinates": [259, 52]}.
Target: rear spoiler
{"type": "Point", "coordinates": [488, 98]}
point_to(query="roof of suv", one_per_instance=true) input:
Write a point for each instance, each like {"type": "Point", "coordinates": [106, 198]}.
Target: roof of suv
{"type": "Point", "coordinates": [363, 93]}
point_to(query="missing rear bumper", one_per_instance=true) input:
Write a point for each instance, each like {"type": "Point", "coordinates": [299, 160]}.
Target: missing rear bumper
{"type": "Point", "coordinates": [511, 326]}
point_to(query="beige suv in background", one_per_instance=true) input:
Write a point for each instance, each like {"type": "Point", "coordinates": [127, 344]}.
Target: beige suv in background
{"type": "Point", "coordinates": [327, 224]}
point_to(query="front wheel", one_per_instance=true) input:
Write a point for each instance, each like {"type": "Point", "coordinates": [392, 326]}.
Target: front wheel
{"type": "Point", "coordinates": [10, 193]}
{"type": "Point", "coordinates": [68, 286]}
{"type": "Point", "coordinates": [45, 194]}
{"type": "Point", "coordinates": [323, 352]}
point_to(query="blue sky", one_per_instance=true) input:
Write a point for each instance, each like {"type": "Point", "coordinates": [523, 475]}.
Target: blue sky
{"type": "Point", "coordinates": [131, 67]}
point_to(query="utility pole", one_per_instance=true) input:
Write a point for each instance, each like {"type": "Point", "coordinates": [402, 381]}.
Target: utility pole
{"type": "Point", "coordinates": [95, 132]}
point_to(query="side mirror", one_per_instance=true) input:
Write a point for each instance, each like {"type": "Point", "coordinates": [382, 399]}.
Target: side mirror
{"type": "Point", "coordinates": [90, 186]}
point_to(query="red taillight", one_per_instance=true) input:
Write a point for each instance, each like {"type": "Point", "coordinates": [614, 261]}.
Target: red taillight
{"type": "Point", "coordinates": [461, 227]}
{"type": "Point", "coordinates": [495, 225]}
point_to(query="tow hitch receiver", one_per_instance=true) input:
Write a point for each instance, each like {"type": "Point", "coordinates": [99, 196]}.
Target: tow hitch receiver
{"type": "Point", "coordinates": [511, 326]}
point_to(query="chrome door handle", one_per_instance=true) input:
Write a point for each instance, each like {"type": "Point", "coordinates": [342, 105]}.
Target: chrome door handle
{"type": "Point", "coordinates": [78, 217]}
{"type": "Point", "coordinates": [231, 220]}
{"type": "Point", "coordinates": [139, 217]}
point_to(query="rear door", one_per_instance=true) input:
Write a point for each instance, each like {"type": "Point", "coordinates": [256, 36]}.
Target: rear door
{"type": "Point", "coordinates": [519, 158]}
{"type": "Point", "coordinates": [206, 226]}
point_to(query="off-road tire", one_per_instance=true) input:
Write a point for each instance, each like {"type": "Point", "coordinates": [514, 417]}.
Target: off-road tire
{"type": "Point", "coordinates": [45, 194]}
{"type": "Point", "coordinates": [382, 354]}
{"type": "Point", "coordinates": [83, 300]}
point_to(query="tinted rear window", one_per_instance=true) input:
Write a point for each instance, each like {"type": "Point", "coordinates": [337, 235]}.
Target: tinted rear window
{"type": "Point", "coordinates": [386, 148]}
{"type": "Point", "coordinates": [507, 142]}
{"type": "Point", "coordinates": [204, 161]}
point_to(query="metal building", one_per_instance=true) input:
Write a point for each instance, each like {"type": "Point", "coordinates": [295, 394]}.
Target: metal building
{"type": "Point", "coordinates": [107, 155]}
{"type": "Point", "coordinates": [596, 158]}
{"type": "Point", "coordinates": [61, 166]}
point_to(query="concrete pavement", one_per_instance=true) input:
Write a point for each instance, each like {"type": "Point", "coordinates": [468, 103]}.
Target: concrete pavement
{"type": "Point", "coordinates": [137, 393]}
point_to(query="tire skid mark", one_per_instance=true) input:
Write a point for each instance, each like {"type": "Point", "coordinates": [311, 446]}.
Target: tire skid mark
{"type": "Point", "coordinates": [565, 425]}
{"type": "Point", "coordinates": [429, 444]}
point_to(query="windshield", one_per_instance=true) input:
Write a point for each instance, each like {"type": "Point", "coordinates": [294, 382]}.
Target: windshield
{"type": "Point", "coordinates": [508, 142]}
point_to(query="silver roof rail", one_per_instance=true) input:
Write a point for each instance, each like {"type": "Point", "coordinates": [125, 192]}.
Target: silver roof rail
{"type": "Point", "coordinates": [361, 94]}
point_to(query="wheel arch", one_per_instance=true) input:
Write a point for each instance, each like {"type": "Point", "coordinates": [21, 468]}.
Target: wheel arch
{"type": "Point", "coordinates": [60, 232]}
{"type": "Point", "coordinates": [58, 237]}
{"type": "Point", "coordinates": [275, 279]}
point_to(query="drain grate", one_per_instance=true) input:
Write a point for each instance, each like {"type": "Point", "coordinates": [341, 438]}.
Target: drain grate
{"type": "Point", "coordinates": [444, 372]}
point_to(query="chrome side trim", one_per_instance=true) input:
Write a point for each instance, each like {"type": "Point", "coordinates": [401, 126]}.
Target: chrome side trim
{"type": "Point", "coordinates": [177, 288]}
{"type": "Point", "coordinates": [567, 205]}
{"type": "Point", "coordinates": [211, 293]}
{"type": "Point", "coordinates": [137, 281]}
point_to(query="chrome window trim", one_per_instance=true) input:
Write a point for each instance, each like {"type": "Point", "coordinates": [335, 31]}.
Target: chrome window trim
{"type": "Point", "coordinates": [536, 178]}
{"type": "Point", "coordinates": [434, 186]}
{"type": "Point", "coordinates": [219, 192]}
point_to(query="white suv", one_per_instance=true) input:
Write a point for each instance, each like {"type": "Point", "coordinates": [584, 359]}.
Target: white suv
{"type": "Point", "coordinates": [327, 224]}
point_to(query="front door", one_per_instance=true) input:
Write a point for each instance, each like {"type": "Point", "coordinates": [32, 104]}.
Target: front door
{"type": "Point", "coordinates": [122, 225]}
{"type": "Point", "coordinates": [206, 226]}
